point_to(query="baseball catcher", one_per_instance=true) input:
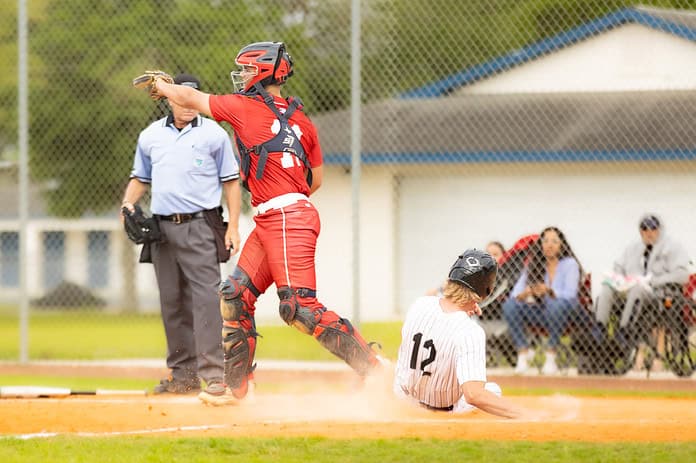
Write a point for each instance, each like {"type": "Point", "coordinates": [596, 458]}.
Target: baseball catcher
{"type": "Point", "coordinates": [281, 164]}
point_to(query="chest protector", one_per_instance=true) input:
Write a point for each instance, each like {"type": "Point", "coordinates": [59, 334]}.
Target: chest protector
{"type": "Point", "coordinates": [285, 141]}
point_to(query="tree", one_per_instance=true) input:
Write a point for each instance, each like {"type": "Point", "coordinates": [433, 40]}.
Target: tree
{"type": "Point", "coordinates": [85, 116]}
{"type": "Point", "coordinates": [8, 78]}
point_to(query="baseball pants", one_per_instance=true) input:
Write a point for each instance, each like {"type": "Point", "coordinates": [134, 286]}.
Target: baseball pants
{"type": "Point", "coordinates": [188, 277]}
{"type": "Point", "coordinates": [281, 250]}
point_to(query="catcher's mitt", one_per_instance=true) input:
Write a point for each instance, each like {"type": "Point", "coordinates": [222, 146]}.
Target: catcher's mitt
{"type": "Point", "coordinates": [147, 82]}
{"type": "Point", "coordinates": [139, 228]}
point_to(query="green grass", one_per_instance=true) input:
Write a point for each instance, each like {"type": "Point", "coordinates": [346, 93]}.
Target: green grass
{"type": "Point", "coordinates": [84, 336]}
{"type": "Point", "coordinates": [91, 335]}
{"type": "Point", "coordinates": [302, 450]}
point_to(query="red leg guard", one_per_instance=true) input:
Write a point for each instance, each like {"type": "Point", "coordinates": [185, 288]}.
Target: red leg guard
{"type": "Point", "coordinates": [339, 337]}
{"type": "Point", "coordinates": [300, 308]}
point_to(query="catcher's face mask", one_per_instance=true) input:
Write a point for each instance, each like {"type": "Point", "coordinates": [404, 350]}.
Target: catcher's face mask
{"type": "Point", "coordinates": [243, 75]}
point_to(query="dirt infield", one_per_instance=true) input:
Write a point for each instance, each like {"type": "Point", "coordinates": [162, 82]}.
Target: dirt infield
{"type": "Point", "coordinates": [321, 404]}
{"type": "Point", "coordinates": [346, 417]}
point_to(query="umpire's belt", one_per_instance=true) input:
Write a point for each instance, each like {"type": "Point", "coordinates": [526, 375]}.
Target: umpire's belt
{"type": "Point", "coordinates": [181, 217]}
{"type": "Point", "coordinates": [280, 201]}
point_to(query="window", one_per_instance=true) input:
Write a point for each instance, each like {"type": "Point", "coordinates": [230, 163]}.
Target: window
{"type": "Point", "coordinates": [9, 259]}
{"type": "Point", "coordinates": [98, 259]}
{"type": "Point", "coordinates": [54, 258]}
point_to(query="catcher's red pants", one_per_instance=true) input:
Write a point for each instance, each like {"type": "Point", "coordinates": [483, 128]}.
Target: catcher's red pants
{"type": "Point", "coordinates": [281, 249]}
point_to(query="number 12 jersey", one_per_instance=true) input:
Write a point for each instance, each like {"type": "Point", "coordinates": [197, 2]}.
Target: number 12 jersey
{"type": "Point", "coordinates": [439, 352]}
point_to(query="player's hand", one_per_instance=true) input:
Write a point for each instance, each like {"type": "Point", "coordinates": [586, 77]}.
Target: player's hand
{"type": "Point", "coordinates": [128, 206]}
{"type": "Point", "coordinates": [526, 292]}
{"type": "Point", "coordinates": [644, 281]}
{"type": "Point", "coordinates": [539, 289]}
{"type": "Point", "coordinates": [232, 240]}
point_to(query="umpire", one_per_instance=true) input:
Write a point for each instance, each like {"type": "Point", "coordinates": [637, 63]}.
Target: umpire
{"type": "Point", "coordinates": [187, 160]}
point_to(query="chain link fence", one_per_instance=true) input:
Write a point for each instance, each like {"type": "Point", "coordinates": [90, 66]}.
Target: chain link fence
{"type": "Point", "coordinates": [481, 120]}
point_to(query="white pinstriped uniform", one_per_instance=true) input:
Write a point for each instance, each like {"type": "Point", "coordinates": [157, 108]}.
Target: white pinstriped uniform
{"type": "Point", "coordinates": [439, 352]}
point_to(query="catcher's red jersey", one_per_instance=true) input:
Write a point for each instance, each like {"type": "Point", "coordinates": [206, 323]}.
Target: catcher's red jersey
{"type": "Point", "coordinates": [254, 123]}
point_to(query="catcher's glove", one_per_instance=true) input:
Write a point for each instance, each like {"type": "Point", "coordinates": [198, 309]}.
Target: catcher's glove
{"type": "Point", "coordinates": [139, 228]}
{"type": "Point", "coordinates": [147, 82]}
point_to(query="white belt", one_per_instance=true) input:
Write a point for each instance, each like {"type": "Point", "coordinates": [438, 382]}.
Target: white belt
{"type": "Point", "coordinates": [280, 201]}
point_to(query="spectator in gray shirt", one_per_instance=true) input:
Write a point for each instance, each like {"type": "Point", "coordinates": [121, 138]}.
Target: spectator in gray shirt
{"type": "Point", "coordinates": [644, 267]}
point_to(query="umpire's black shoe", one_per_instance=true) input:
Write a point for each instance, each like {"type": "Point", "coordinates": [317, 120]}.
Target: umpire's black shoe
{"type": "Point", "coordinates": [170, 385]}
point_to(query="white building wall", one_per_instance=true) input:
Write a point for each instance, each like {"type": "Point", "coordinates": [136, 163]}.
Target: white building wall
{"type": "Point", "coordinates": [408, 244]}
{"type": "Point", "coordinates": [597, 208]}
{"type": "Point", "coordinates": [629, 58]}
{"type": "Point", "coordinates": [35, 259]}
{"type": "Point", "coordinates": [75, 268]}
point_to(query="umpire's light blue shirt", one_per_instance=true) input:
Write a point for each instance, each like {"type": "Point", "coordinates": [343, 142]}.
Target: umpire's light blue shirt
{"type": "Point", "coordinates": [185, 168]}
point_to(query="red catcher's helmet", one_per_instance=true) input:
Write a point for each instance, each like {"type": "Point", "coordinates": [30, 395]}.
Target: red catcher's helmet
{"type": "Point", "coordinates": [262, 62]}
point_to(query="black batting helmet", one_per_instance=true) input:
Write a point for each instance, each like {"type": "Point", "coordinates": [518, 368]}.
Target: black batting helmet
{"type": "Point", "coordinates": [476, 270]}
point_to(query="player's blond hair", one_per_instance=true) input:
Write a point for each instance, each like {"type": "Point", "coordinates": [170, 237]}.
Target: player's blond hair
{"type": "Point", "coordinates": [458, 293]}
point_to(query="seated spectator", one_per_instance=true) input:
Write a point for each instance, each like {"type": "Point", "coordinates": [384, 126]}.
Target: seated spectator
{"type": "Point", "coordinates": [642, 272]}
{"type": "Point", "coordinates": [496, 250]}
{"type": "Point", "coordinates": [546, 294]}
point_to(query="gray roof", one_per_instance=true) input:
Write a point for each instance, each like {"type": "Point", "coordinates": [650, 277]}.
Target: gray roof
{"type": "Point", "coordinates": [522, 127]}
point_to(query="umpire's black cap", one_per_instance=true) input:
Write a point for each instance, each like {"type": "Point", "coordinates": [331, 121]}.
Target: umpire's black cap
{"type": "Point", "coordinates": [188, 79]}
{"type": "Point", "coordinates": [476, 270]}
